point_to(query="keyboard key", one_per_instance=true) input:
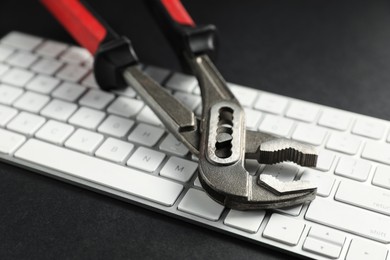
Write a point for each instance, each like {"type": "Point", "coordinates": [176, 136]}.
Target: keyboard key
{"type": "Point", "coordinates": [189, 100]}
{"type": "Point", "coordinates": [116, 126]}
{"type": "Point", "coordinates": [335, 119]}
{"type": "Point", "coordinates": [349, 218]}
{"type": "Point", "coordinates": [198, 203]}
{"type": "Point", "coordinates": [126, 107]}
{"type": "Point", "coordinates": [245, 96]}
{"type": "Point", "coordinates": [172, 145]}
{"type": "Point", "coordinates": [252, 118]}
{"type": "Point", "coordinates": [367, 197]}
{"type": "Point", "coordinates": [284, 229]}
{"type": "Point", "coordinates": [21, 41]}
{"type": "Point", "coordinates": [55, 132]}
{"type": "Point", "coordinates": [302, 111]}
{"type": "Point", "coordinates": [31, 102]}
{"type": "Point", "coordinates": [6, 114]}
{"type": "Point", "coordinates": [3, 68]}
{"type": "Point", "coordinates": [369, 128]}
{"type": "Point", "coordinates": [158, 74]}
{"type": "Point", "coordinates": [75, 55]}
{"type": "Point", "coordinates": [284, 171]}
{"type": "Point", "coordinates": [146, 159]}
{"type": "Point", "coordinates": [47, 66]}
{"type": "Point", "coordinates": [248, 221]}
{"type": "Point", "coordinates": [324, 241]}
{"type": "Point", "coordinates": [126, 92]}
{"type": "Point", "coordinates": [182, 82]}
{"type": "Point", "coordinates": [69, 91]}
{"type": "Point", "coordinates": [9, 94]}
{"type": "Point", "coordinates": [377, 152]}
{"type": "Point", "coordinates": [109, 175]}
{"type": "Point", "coordinates": [343, 143]}
{"type": "Point", "coordinates": [179, 169]}
{"type": "Point", "coordinates": [51, 49]}
{"type": "Point", "coordinates": [96, 99]}
{"type": "Point", "coordinates": [72, 73]}
{"type": "Point", "coordinates": [381, 177]}
{"type": "Point", "coordinates": [325, 160]}
{"type": "Point", "coordinates": [90, 81]}
{"type": "Point", "coordinates": [87, 118]}
{"type": "Point", "coordinates": [323, 181]}
{"type": "Point", "coordinates": [26, 123]}
{"type": "Point", "coordinates": [84, 141]}
{"type": "Point", "coordinates": [114, 150]}
{"type": "Point", "coordinates": [17, 77]}
{"type": "Point", "coordinates": [148, 116]}
{"type": "Point", "coordinates": [59, 110]}
{"type": "Point", "coordinates": [5, 52]}
{"type": "Point", "coordinates": [292, 211]}
{"type": "Point", "coordinates": [9, 141]}
{"type": "Point", "coordinates": [276, 125]}
{"type": "Point", "coordinates": [22, 59]}
{"type": "Point", "coordinates": [43, 84]}
{"type": "Point", "coordinates": [363, 249]}
{"type": "Point", "coordinates": [146, 134]}
{"type": "Point", "coordinates": [353, 169]}
{"type": "Point", "coordinates": [271, 103]}
{"type": "Point", "coordinates": [309, 134]}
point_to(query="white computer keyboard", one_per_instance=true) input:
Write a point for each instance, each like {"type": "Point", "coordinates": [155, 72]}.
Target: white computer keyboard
{"type": "Point", "coordinates": [54, 120]}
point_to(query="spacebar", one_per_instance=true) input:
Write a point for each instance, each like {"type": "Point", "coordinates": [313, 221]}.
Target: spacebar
{"type": "Point", "coordinates": [351, 219]}
{"type": "Point", "coordinates": [101, 172]}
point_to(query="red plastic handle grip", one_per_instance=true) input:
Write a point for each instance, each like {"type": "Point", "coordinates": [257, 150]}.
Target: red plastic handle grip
{"type": "Point", "coordinates": [78, 21]}
{"type": "Point", "coordinates": [177, 12]}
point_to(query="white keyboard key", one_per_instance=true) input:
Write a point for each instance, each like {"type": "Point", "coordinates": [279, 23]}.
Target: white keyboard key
{"type": "Point", "coordinates": [179, 169]}
{"type": "Point", "coordinates": [146, 159]}
{"type": "Point", "coordinates": [17, 77]}
{"type": "Point", "coordinates": [101, 172]}
{"type": "Point", "coordinates": [116, 126]}
{"type": "Point", "coordinates": [248, 221]}
{"type": "Point", "coordinates": [5, 52]}
{"type": "Point", "coordinates": [96, 99]}
{"type": "Point", "coordinates": [9, 94]}
{"type": "Point", "coordinates": [293, 210]}
{"type": "Point", "coordinates": [182, 82]}
{"type": "Point", "coordinates": [87, 118]}
{"type": "Point", "coordinates": [343, 143]}
{"type": "Point", "coordinates": [324, 241]}
{"type": "Point", "coordinates": [252, 118]}
{"type": "Point", "coordinates": [6, 114]}
{"type": "Point", "coordinates": [75, 55]}
{"type": "Point", "coordinates": [369, 128]}
{"type": "Point", "coordinates": [284, 171]}
{"type": "Point", "coordinates": [55, 132]}
{"type": "Point", "coordinates": [126, 107]}
{"type": "Point", "coordinates": [198, 203]}
{"type": "Point", "coordinates": [10, 141]}
{"type": "Point", "coordinates": [69, 91]}
{"type": "Point", "coordinates": [325, 160]}
{"type": "Point", "coordinates": [43, 84]}
{"type": "Point", "coordinates": [58, 109]}
{"type": "Point", "coordinates": [323, 181]}
{"type": "Point", "coordinates": [245, 95]}
{"type": "Point", "coordinates": [309, 134]}
{"type": "Point", "coordinates": [353, 169]}
{"type": "Point", "coordinates": [21, 41]}
{"type": "Point", "coordinates": [271, 103]}
{"type": "Point", "coordinates": [31, 102]}
{"type": "Point", "coordinates": [284, 229]}
{"type": "Point", "coordinates": [51, 49]}
{"type": "Point", "coordinates": [3, 68]}
{"type": "Point", "coordinates": [26, 123]}
{"type": "Point", "coordinates": [189, 100]}
{"type": "Point", "coordinates": [146, 134]}
{"type": "Point", "coordinates": [276, 125]}
{"type": "Point", "coordinates": [303, 111]}
{"type": "Point", "coordinates": [158, 74]}
{"type": "Point", "coordinates": [327, 234]}
{"type": "Point", "coordinates": [377, 152]}
{"type": "Point", "coordinates": [381, 177]}
{"type": "Point", "coordinates": [126, 92]}
{"type": "Point", "coordinates": [90, 81]}
{"type": "Point", "coordinates": [84, 141]}
{"type": "Point", "coordinates": [47, 66]}
{"type": "Point", "coordinates": [148, 116]}
{"type": "Point", "coordinates": [72, 73]}
{"type": "Point", "coordinates": [349, 218]}
{"type": "Point", "coordinates": [22, 59]}
{"type": "Point", "coordinates": [172, 145]}
{"type": "Point", "coordinates": [367, 197]}
{"type": "Point", "coordinates": [114, 150]}
{"type": "Point", "coordinates": [364, 250]}
{"type": "Point", "coordinates": [335, 119]}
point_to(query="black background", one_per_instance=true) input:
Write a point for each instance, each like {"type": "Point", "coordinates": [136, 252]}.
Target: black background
{"type": "Point", "coordinates": [335, 53]}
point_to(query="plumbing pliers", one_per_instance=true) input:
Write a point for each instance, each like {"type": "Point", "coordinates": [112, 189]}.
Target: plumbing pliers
{"type": "Point", "coordinates": [219, 137]}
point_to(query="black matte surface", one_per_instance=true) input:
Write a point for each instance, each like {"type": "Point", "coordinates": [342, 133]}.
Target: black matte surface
{"type": "Point", "coordinates": [335, 53]}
